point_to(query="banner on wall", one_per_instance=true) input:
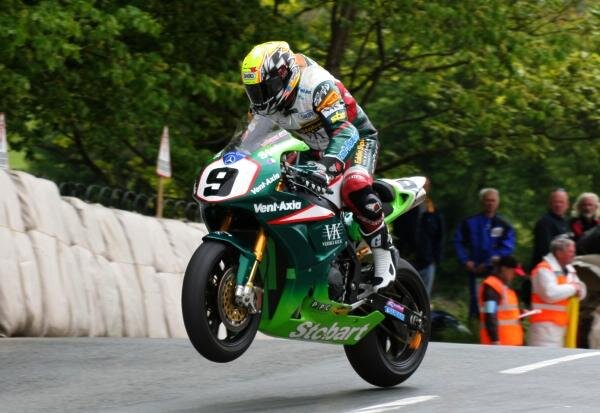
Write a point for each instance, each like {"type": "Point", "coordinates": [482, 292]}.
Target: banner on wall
{"type": "Point", "coordinates": [3, 144]}
{"type": "Point", "coordinates": [163, 164]}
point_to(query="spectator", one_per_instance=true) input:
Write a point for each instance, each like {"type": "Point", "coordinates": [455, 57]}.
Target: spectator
{"type": "Point", "coordinates": [551, 224]}
{"type": "Point", "coordinates": [419, 237]}
{"type": "Point", "coordinates": [554, 281]}
{"type": "Point", "coordinates": [482, 239]}
{"type": "Point", "coordinates": [499, 305]}
{"type": "Point", "coordinates": [586, 214]}
{"type": "Point", "coordinates": [589, 243]}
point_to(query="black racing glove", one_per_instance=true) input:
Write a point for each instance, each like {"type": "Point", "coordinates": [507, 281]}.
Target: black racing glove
{"type": "Point", "coordinates": [317, 179]}
{"type": "Point", "coordinates": [332, 165]}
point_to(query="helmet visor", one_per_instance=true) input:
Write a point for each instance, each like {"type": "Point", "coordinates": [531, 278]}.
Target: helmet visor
{"type": "Point", "coordinates": [261, 95]}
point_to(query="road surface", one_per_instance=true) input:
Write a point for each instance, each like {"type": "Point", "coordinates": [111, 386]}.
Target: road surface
{"type": "Point", "coordinates": [155, 375]}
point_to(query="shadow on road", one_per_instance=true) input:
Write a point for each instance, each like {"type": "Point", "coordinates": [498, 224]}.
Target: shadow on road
{"type": "Point", "coordinates": [321, 403]}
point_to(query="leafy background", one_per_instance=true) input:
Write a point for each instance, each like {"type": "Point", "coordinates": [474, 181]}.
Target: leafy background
{"type": "Point", "coordinates": [472, 94]}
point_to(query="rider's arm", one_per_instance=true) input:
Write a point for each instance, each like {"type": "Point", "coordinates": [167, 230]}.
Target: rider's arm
{"type": "Point", "coordinates": [343, 135]}
{"type": "Point", "coordinates": [491, 298]}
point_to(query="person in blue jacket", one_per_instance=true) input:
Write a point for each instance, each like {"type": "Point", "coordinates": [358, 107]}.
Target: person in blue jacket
{"type": "Point", "coordinates": [480, 240]}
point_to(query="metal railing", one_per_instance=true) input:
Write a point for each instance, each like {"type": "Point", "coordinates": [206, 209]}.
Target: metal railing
{"type": "Point", "coordinates": [128, 200]}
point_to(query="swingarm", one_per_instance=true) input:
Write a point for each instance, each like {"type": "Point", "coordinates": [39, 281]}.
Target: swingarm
{"type": "Point", "coordinates": [391, 308]}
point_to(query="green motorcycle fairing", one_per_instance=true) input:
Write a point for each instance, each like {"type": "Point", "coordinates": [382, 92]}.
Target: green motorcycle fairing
{"type": "Point", "coordinates": [305, 235]}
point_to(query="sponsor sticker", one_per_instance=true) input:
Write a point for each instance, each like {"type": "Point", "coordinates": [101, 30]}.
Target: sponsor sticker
{"type": "Point", "coordinates": [277, 207]}
{"type": "Point", "coordinates": [395, 313]}
{"type": "Point", "coordinates": [497, 232]}
{"type": "Point", "coordinates": [232, 157]}
{"type": "Point", "coordinates": [348, 145]}
{"type": "Point", "coordinates": [320, 92]}
{"type": "Point", "coordinates": [394, 309]}
{"type": "Point", "coordinates": [265, 183]}
{"type": "Point", "coordinates": [311, 126]}
{"type": "Point", "coordinates": [332, 109]}
{"type": "Point", "coordinates": [319, 306]}
{"type": "Point", "coordinates": [360, 152]}
{"type": "Point", "coordinates": [264, 154]}
{"type": "Point", "coordinates": [249, 76]}
{"type": "Point", "coordinates": [306, 115]}
{"type": "Point", "coordinates": [365, 151]}
{"type": "Point", "coordinates": [407, 184]}
{"type": "Point", "coordinates": [332, 234]}
{"type": "Point", "coordinates": [395, 305]}
{"type": "Point", "coordinates": [340, 310]}
{"type": "Point", "coordinates": [315, 331]}
{"type": "Point", "coordinates": [329, 100]}
{"type": "Point", "coordinates": [338, 117]}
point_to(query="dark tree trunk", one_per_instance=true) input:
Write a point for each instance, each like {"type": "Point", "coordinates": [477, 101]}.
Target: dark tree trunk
{"type": "Point", "coordinates": [342, 14]}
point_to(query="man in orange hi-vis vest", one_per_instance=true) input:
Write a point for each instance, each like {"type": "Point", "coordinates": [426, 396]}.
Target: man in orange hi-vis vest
{"type": "Point", "coordinates": [499, 305]}
{"type": "Point", "coordinates": [553, 282]}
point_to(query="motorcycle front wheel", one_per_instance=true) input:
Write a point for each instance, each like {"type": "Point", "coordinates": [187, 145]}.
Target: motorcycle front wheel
{"type": "Point", "coordinates": [218, 328]}
{"type": "Point", "coordinates": [391, 352]}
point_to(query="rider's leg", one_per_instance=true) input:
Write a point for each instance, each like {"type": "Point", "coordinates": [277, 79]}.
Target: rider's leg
{"type": "Point", "coordinates": [359, 196]}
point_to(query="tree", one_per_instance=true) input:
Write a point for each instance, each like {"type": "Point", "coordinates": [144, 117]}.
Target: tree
{"type": "Point", "coordinates": [469, 93]}
{"type": "Point", "coordinates": [89, 85]}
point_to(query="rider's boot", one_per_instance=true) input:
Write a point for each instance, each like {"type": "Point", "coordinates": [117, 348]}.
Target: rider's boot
{"type": "Point", "coordinates": [380, 243]}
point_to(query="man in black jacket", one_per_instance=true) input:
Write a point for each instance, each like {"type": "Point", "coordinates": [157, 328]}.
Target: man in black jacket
{"type": "Point", "coordinates": [419, 237]}
{"type": "Point", "coordinates": [551, 224]}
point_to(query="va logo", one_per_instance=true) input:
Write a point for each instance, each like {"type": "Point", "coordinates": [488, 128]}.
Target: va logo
{"type": "Point", "coordinates": [332, 234]}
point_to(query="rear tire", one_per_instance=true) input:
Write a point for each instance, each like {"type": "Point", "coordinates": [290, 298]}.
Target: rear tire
{"type": "Point", "coordinates": [218, 328]}
{"type": "Point", "coordinates": [391, 353]}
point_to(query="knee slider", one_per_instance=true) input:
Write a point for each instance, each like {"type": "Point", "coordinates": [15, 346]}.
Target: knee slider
{"type": "Point", "coordinates": [372, 207]}
{"type": "Point", "coordinates": [366, 204]}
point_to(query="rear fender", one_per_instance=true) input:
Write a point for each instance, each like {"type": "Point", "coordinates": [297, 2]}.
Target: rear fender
{"type": "Point", "coordinates": [409, 193]}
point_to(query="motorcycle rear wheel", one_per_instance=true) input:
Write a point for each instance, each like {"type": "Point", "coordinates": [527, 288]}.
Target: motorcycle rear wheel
{"type": "Point", "coordinates": [218, 328]}
{"type": "Point", "coordinates": [391, 352]}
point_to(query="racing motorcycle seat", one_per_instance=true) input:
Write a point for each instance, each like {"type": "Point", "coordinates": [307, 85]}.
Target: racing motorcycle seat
{"type": "Point", "coordinates": [384, 190]}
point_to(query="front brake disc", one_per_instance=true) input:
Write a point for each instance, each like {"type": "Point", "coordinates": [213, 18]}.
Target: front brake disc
{"type": "Point", "coordinates": [234, 317]}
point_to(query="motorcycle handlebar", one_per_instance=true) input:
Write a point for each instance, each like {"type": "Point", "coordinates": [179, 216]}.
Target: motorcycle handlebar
{"type": "Point", "coordinates": [300, 177]}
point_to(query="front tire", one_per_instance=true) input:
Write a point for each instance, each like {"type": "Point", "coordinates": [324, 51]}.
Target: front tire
{"type": "Point", "coordinates": [218, 328]}
{"type": "Point", "coordinates": [391, 352]}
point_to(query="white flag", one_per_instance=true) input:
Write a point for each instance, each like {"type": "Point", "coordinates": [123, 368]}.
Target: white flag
{"type": "Point", "coordinates": [163, 164]}
{"type": "Point", "coordinates": [3, 144]}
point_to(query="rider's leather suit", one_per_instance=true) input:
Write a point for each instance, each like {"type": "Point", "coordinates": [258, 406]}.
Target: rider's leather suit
{"type": "Point", "coordinates": [326, 116]}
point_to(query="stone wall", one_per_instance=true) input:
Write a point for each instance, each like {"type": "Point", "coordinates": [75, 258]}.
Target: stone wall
{"type": "Point", "coordinates": [68, 268]}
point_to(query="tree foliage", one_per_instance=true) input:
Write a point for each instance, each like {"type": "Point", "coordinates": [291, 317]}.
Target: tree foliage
{"type": "Point", "coordinates": [470, 93]}
{"type": "Point", "coordinates": [88, 85]}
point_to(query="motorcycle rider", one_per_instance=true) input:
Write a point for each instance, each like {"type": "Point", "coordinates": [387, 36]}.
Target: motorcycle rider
{"type": "Point", "coordinates": [300, 96]}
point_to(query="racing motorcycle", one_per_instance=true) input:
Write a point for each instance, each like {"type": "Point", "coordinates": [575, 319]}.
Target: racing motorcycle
{"type": "Point", "coordinates": [285, 258]}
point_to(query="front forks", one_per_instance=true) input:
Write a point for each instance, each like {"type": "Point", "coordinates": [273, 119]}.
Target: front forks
{"type": "Point", "coordinates": [246, 295]}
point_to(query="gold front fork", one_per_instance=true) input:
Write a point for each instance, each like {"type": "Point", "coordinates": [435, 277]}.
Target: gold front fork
{"type": "Point", "coordinates": [259, 249]}
{"type": "Point", "coordinates": [246, 295]}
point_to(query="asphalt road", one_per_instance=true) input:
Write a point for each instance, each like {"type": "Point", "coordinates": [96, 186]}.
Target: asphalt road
{"type": "Point", "coordinates": [150, 375]}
